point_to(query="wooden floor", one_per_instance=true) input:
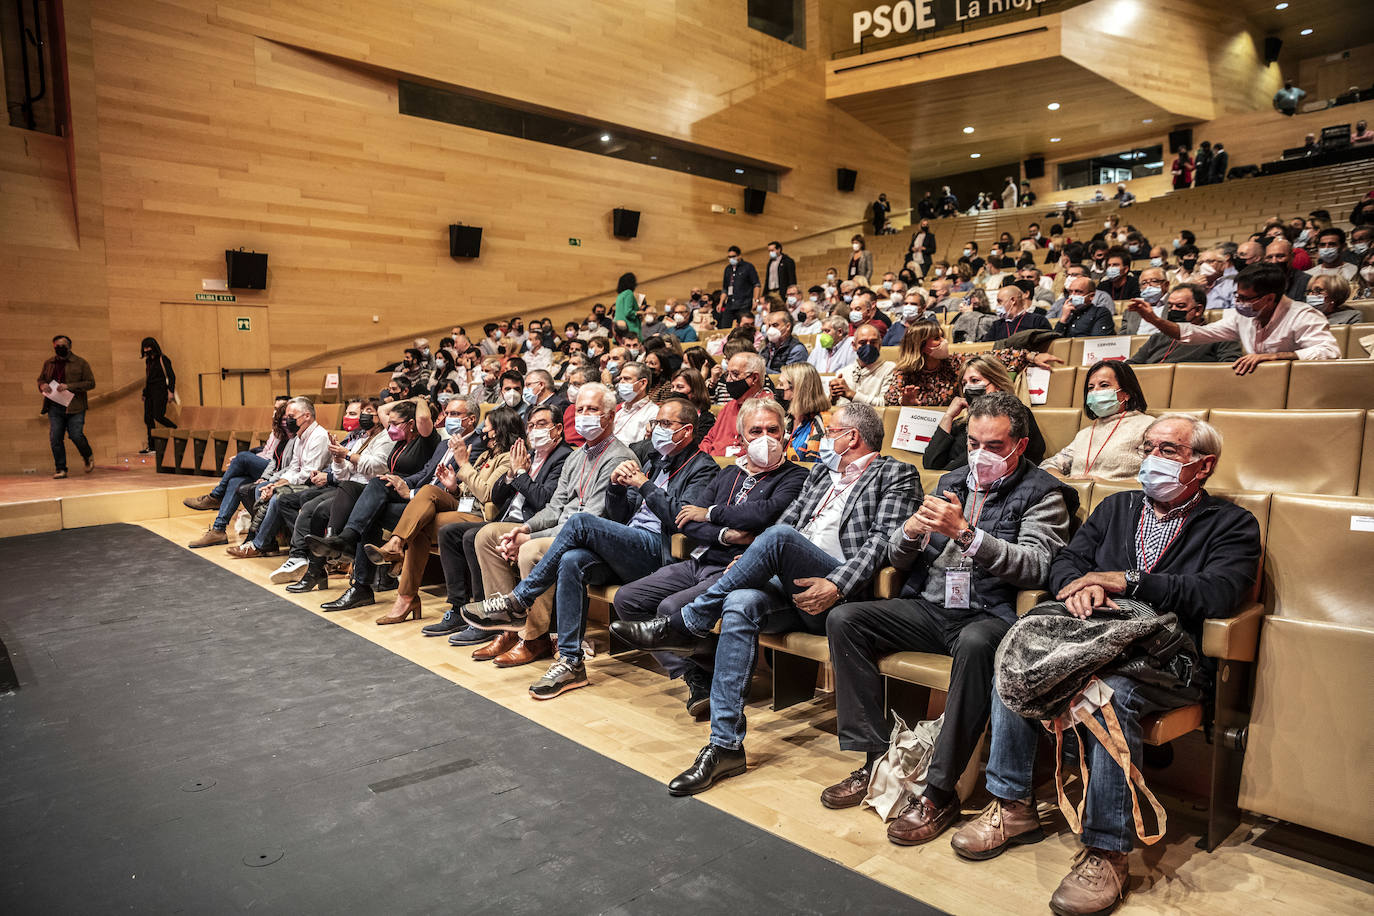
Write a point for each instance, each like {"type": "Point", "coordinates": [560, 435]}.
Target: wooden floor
{"type": "Point", "coordinates": [635, 716]}
{"type": "Point", "coordinates": [15, 488]}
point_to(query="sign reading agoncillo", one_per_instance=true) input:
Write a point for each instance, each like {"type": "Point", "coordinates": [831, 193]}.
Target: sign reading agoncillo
{"type": "Point", "coordinates": [905, 15]}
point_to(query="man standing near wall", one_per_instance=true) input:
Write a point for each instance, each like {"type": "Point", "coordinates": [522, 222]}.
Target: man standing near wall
{"type": "Point", "coordinates": [64, 381]}
{"type": "Point", "coordinates": [741, 286]}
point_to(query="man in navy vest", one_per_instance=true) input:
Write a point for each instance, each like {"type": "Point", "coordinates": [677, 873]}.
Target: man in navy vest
{"type": "Point", "coordinates": [990, 528]}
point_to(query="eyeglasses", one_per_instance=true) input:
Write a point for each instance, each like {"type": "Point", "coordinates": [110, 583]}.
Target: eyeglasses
{"type": "Point", "coordinates": [666, 424]}
{"type": "Point", "coordinates": [834, 432]}
{"type": "Point", "coordinates": [541, 424]}
{"type": "Point", "coordinates": [1169, 450]}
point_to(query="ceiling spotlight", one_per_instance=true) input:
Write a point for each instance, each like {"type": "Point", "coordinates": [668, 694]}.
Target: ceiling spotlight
{"type": "Point", "coordinates": [739, 171]}
{"type": "Point", "coordinates": [1305, 32]}
{"type": "Point", "coordinates": [1054, 139]}
{"type": "Point", "coordinates": [1280, 6]}
{"type": "Point", "coordinates": [968, 130]}
{"type": "Point", "coordinates": [975, 155]}
{"type": "Point", "coordinates": [1147, 121]}
{"type": "Point", "coordinates": [605, 138]}
{"type": "Point", "coordinates": [1053, 106]}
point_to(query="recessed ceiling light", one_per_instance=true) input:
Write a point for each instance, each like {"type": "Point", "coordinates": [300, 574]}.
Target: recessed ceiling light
{"type": "Point", "coordinates": [605, 138]}
{"type": "Point", "coordinates": [975, 155]}
{"type": "Point", "coordinates": [739, 171]}
{"type": "Point", "coordinates": [1280, 6]}
{"type": "Point", "coordinates": [1305, 32]}
{"type": "Point", "coordinates": [1054, 139]}
{"type": "Point", "coordinates": [1053, 106]}
{"type": "Point", "coordinates": [968, 130]}
{"type": "Point", "coordinates": [1147, 121]}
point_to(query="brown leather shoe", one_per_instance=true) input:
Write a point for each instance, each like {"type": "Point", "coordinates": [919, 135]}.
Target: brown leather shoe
{"type": "Point", "coordinates": [200, 503]}
{"type": "Point", "coordinates": [244, 551]}
{"type": "Point", "coordinates": [849, 791]}
{"type": "Point", "coordinates": [1094, 885]}
{"type": "Point", "coordinates": [524, 652]}
{"type": "Point", "coordinates": [1001, 824]}
{"type": "Point", "coordinates": [210, 538]}
{"type": "Point", "coordinates": [921, 821]}
{"type": "Point", "coordinates": [503, 642]}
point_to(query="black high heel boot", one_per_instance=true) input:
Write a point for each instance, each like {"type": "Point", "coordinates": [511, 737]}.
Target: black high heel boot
{"type": "Point", "coordinates": [316, 576]}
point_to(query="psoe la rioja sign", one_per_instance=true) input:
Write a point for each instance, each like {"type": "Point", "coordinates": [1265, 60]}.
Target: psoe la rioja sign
{"type": "Point", "coordinates": [919, 15]}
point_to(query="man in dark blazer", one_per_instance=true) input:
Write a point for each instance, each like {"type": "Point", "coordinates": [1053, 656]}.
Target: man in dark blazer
{"type": "Point", "coordinates": [780, 273]}
{"type": "Point", "coordinates": [73, 375]}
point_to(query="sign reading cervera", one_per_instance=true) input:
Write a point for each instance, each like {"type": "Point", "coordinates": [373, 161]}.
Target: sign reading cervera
{"type": "Point", "coordinates": [918, 15]}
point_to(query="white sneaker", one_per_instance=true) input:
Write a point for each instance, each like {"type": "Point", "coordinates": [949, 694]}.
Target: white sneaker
{"type": "Point", "coordinates": [290, 571]}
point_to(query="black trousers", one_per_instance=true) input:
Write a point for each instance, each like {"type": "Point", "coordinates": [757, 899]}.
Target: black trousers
{"type": "Point", "coordinates": [861, 633]}
{"type": "Point", "coordinates": [458, 556]}
{"type": "Point", "coordinates": [661, 593]}
{"type": "Point", "coordinates": [155, 411]}
{"type": "Point", "coordinates": [313, 518]}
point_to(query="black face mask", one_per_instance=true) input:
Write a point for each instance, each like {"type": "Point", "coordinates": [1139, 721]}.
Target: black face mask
{"type": "Point", "coordinates": [291, 425]}
{"type": "Point", "coordinates": [410, 363]}
{"type": "Point", "coordinates": [973, 391]}
{"type": "Point", "coordinates": [1189, 264]}
{"type": "Point", "coordinates": [736, 388]}
{"type": "Point", "coordinates": [62, 352]}
{"type": "Point", "coordinates": [367, 421]}
{"type": "Point", "coordinates": [867, 353]}
{"type": "Point", "coordinates": [1178, 315]}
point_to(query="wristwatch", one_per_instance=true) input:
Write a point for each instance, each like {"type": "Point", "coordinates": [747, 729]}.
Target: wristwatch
{"type": "Point", "coordinates": [964, 539]}
{"type": "Point", "coordinates": [1132, 582]}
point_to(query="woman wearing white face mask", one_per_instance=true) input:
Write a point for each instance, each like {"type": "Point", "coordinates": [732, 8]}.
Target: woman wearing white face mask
{"type": "Point", "coordinates": [860, 262]}
{"type": "Point", "coordinates": [1364, 280]}
{"type": "Point", "coordinates": [1106, 449]}
{"type": "Point", "coordinates": [1328, 295]}
{"type": "Point", "coordinates": [948, 446]}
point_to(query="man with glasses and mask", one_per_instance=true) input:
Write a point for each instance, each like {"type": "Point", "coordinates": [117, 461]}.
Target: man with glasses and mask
{"type": "Point", "coordinates": [681, 326]}
{"type": "Point", "coordinates": [634, 538]}
{"type": "Point", "coordinates": [742, 501]}
{"type": "Point", "coordinates": [1266, 322]}
{"type": "Point", "coordinates": [990, 528]}
{"type": "Point", "coordinates": [834, 347]}
{"type": "Point", "coordinates": [780, 347]}
{"type": "Point", "coordinates": [1218, 276]}
{"type": "Point", "coordinates": [1185, 304]}
{"type": "Point", "coordinates": [744, 377]}
{"type": "Point", "coordinates": [826, 548]}
{"type": "Point", "coordinates": [1170, 547]}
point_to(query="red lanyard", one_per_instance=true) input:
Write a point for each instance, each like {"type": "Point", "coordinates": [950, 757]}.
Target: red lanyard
{"type": "Point", "coordinates": [1140, 541]}
{"type": "Point", "coordinates": [680, 467]}
{"type": "Point", "coordinates": [1090, 457]}
{"type": "Point", "coordinates": [591, 472]}
{"type": "Point", "coordinates": [396, 455]}
{"type": "Point", "coordinates": [1014, 327]}
{"type": "Point", "coordinates": [835, 490]}
{"type": "Point", "coordinates": [978, 512]}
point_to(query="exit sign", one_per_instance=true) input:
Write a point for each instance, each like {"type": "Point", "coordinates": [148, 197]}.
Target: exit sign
{"type": "Point", "coordinates": [245, 324]}
{"type": "Point", "coordinates": [216, 297]}
{"type": "Point", "coordinates": [576, 243]}
{"type": "Point", "coordinates": [731, 211]}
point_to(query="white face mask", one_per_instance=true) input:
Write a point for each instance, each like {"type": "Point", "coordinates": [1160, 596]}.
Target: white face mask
{"type": "Point", "coordinates": [773, 334]}
{"type": "Point", "coordinates": [572, 392]}
{"type": "Point", "coordinates": [856, 246]}
{"type": "Point", "coordinates": [1368, 273]}
{"type": "Point", "coordinates": [511, 397]}
{"type": "Point", "coordinates": [1316, 300]}
{"type": "Point", "coordinates": [772, 255]}
{"type": "Point", "coordinates": [856, 317]}
{"type": "Point", "coordinates": [911, 312]}
{"type": "Point", "coordinates": [588, 426]}
{"type": "Point", "coordinates": [1159, 478]}
{"type": "Point", "coordinates": [540, 438]}
{"type": "Point", "coordinates": [791, 300]}
{"type": "Point", "coordinates": [814, 299]}
{"type": "Point", "coordinates": [765, 452]}
{"type": "Point", "coordinates": [1207, 270]}
{"type": "Point", "coordinates": [987, 467]}
{"type": "Point", "coordinates": [968, 251]}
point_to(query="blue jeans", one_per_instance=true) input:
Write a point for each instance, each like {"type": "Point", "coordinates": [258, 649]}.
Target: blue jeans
{"type": "Point", "coordinates": [1107, 819]}
{"type": "Point", "coordinates": [589, 550]}
{"type": "Point", "coordinates": [663, 592]}
{"type": "Point", "coordinates": [60, 424]}
{"type": "Point", "coordinates": [754, 596]}
{"type": "Point", "coordinates": [244, 467]}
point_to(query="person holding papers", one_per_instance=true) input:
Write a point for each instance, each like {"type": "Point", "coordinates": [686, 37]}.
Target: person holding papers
{"type": "Point", "coordinates": [64, 381]}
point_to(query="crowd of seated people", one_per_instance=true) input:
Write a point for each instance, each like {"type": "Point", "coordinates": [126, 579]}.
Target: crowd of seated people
{"type": "Point", "coordinates": [538, 463]}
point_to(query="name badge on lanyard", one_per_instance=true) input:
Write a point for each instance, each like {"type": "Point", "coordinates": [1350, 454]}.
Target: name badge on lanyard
{"type": "Point", "coordinates": [958, 583]}
{"type": "Point", "coordinates": [466, 503]}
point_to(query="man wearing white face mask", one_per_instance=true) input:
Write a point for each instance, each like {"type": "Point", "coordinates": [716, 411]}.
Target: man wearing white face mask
{"type": "Point", "coordinates": [908, 314]}
{"type": "Point", "coordinates": [782, 348]}
{"type": "Point", "coordinates": [635, 412]}
{"type": "Point", "coordinates": [992, 529]}
{"type": "Point", "coordinates": [1267, 323]}
{"type": "Point", "coordinates": [781, 272]}
{"type": "Point", "coordinates": [741, 502]}
{"type": "Point", "coordinates": [645, 495]}
{"type": "Point", "coordinates": [1170, 548]}
{"type": "Point", "coordinates": [505, 548]}
{"type": "Point", "coordinates": [827, 546]}
{"type": "Point", "coordinates": [1212, 268]}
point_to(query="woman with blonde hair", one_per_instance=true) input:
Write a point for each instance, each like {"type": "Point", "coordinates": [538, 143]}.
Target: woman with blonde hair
{"type": "Point", "coordinates": [926, 374]}
{"type": "Point", "coordinates": [808, 409]}
{"type": "Point", "coordinates": [948, 447]}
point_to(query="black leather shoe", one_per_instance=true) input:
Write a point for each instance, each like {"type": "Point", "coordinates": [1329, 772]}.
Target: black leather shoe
{"type": "Point", "coordinates": [658, 635]}
{"type": "Point", "coordinates": [712, 765]}
{"type": "Point", "coordinates": [385, 581]}
{"type": "Point", "coordinates": [698, 692]}
{"type": "Point", "coordinates": [331, 547]}
{"type": "Point", "coordinates": [309, 582]}
{"type": "Point", "coordinates": [356, 596]}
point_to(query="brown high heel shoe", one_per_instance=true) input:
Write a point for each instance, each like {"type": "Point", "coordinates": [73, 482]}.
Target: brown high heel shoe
{"type": "Point", "coordinates": [413, 610]}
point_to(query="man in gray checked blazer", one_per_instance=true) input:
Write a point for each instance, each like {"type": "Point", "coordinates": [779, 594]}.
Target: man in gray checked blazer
{"type": "Point", "coordinates": [827, 548]}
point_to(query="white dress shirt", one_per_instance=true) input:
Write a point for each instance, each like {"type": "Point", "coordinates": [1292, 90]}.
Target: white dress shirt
{"type": "Point", "coordinates": [632, 420]}
{"type": "Point", "coordinates": [311, 454]}
{"type": "Point", "coordinates": [539, 359]}
{"type": "Point", "coordinates": [1294, 327]}
{"type": "Point", "coordinates": [823, 528]}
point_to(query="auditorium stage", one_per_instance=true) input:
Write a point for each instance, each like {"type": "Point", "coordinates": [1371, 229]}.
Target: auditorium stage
{"type": "Point", "coordinates": [152, 668]}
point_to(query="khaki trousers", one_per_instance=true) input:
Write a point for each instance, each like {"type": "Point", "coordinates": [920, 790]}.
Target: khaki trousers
{"type": "Point", "coordinates": [499, 575]}
{"type": "Point", "coordinates": [418, 528]}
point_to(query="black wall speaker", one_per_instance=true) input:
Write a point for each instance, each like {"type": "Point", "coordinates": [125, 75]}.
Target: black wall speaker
{"type": "Point", "coordinates": [1181, 137]}
{"type": "Point", "coordinates": [753, 200]}
{"type": "Point", "coordinates": [245, 269]}
{"type": "Point", "coordinates": [1272, 46]}
{"type": "Point", "coordinates": [1035, 167]}
{"type": "Point", "coordinates": [464, 241]}
{"type": "Point", "coordinates": [625, 223]}
{"type": "Point", "coordinates": [845, 179]}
